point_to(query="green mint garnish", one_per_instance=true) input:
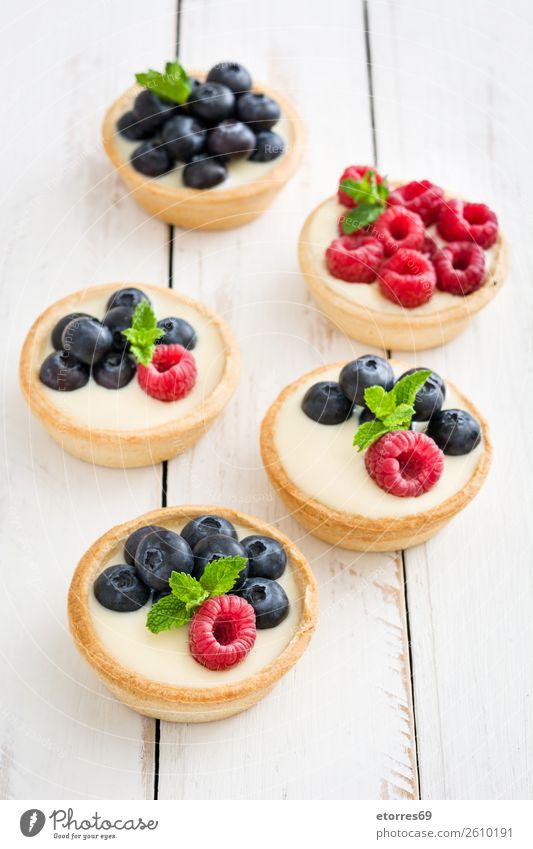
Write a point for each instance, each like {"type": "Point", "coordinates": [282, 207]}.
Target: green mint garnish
{"type": "Point", "coordinates": [393, 410]}
{"type": "Point", "coordinates": [370, 197]}
{"type": "Point", "coordinates": [188, 593]}
{"type": "Point", "coordinates": [143, 333]}
{"type": "Point", "coordinates": [173, 84]}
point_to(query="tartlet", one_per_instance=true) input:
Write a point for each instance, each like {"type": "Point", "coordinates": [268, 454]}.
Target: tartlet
{"type": "Point", "coordinates": [156, 698]}
{"type": "Point", "coordinates": [397, 523]}
{"type": "Point", "coordinates": [126, 428]}
{"type": "Point", "coordinates": [220, 208]}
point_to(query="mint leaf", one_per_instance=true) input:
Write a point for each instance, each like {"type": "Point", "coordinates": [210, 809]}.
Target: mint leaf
{"type": "Point", "coordinates": [370, 198]}
{"type": "Point", "coordinates": [400, 418]}
{"type": "Point", "coordinates": [408, 386]}
{"type": "Point", "coordinates": [172, 85]}
{"type": "Point", "coordinates": [379, 402]}
{"type": "Point", "coordinates": [220, 575]}
{"type": "Point", "coordinates": [367, 433]}
{"type": "Point", "coordinates": [143, 333]}
{"type": "Point", "coordinates": [169, 612]}
{"type": "Point", "coordinates": [393, 410]}
{"type": "Point", "coordinates": [188, 590]}
{"type": "Point", "coordinates": [360, 216]}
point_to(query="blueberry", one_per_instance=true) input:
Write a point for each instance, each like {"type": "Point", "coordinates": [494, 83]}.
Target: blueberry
{"type": "Point", "coordinates": [430, 396]}
{"type": "Point", "coordinates": [231, 74]}
{"type": "Point", "coordinates": [118, 319]}
{"type": "Point", "coordinates": [205, 526]}
{"type": "Point", "coordinates": [212, 103]}
{"type": "Point", "coordinates": [230, 140]}
{"type": "Point", "coordinates": [268, 599]}
{"type": "Point", "coordinates": [87, 339]}
{"type": "Point", "coordinates": [184, 137]}
{"type": "Point", "coordinates": [152, 160]}
{"type": "Point", "coordinates": [130, 546]}
{"type": "Point", "coordinates": [63, 372]}
{"type": "Point", "coordinates": [115, 371]}
{"type": "Point", "coordinates": [158, 594]}
{"type": "Point", "coordinates": [195, 85]}
{"type": "Point", "coordinates": [366, 371]}
{"type": "Point", "coordinates": [158, 554]}
{"type": "Point", "coordinates": [215, 547]}
{"type": "Point", "coordinates": [57, 332]}
{"type": "Point", "coordinates": [120, 588]}
{"type": "Point", "coordinates": [131, 128]}
{"type": "Point", "coordinates": [177, 332]}
{"type": "Point", "coordinates": [204, 173]}
{"type": "Point", "coordinates": [268, 146]}
{"type": "Point", "coordinates": [266, 557]}
{"type": "Point", "coordinates": [151, 112]}
{"type": "Point", "coordinates": [455, 431]}
{"type": "Point", "coordinates": [258, 110]}
{"type": "Point", "coordinates": [325, 402]}
{"type": "Point", "coordinates": [128, 297]}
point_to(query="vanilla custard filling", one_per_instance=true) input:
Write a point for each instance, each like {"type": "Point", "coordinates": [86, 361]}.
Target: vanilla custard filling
{"type": "Point", "coordinates": [240, 171]}
{"type": "Point", "coordinates": [322, 462]}
{"type": "Point", "coordinates": [324, 229]}
{"type": "Point", "coordinates": [166, 657]}
{"type": "Point", "coordinates": [130, 408]}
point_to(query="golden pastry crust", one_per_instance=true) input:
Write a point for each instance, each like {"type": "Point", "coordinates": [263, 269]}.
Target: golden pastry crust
{"type": "Point", "coordinates": [194, 209]}
{"type": "Point", "coordinates": [116, 448]}
{"type": "Point", "coordinates": [353, 530]}
{"type": "Point", "coordinates": [408, 330]}
{"type": "Point", "coordinates": [184, 704]}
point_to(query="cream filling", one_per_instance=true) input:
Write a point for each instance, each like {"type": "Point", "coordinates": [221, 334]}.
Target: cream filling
{"type": "Point", "coordinates": [130, 408]}
{"type": "Point", "coordinates": [324, 228]}
{"type": "Point", "coordinates": [322, 462]}
{"type": "Point", "coordinates": [166, 657]}
{"type": "Point", "coordinates": [240, 171]}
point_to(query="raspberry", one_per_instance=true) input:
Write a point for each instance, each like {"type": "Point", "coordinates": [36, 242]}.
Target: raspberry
{"type": "Point", "coordinates": [399, 228]}
{"type": "Point", "coordinates": [355, 172]}
{"type": "Point", "coordinates": [222, 631]}
{"type": "Point", "coordinates": [170, 375]}
{"type": "Point", "coordinates": [421, 197]}
{"type": "Point", "coordinates": [407, 278]}
{"type": "Point", "coordinates": [429, 248]}
{"type": "Point", "coordinates": [405, 463]}
{"type": "Point", "coordinates": [468, 222]}
{"type": "Point", "coordinates": [460, 268]}
{"type": "Point", "coordinates": [355, 259]}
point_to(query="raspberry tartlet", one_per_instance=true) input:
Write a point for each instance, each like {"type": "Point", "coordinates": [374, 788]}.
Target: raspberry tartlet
{"type": "Point", "coordinates": [371, 456]}
{"type": "Point", "coordinates": [203, 151]}
{"type": "Point", "coordinates": [128, 375]}
{"type": "Point", "coordinates": [192, 614]}
{"type": "Point", "coordinates": [404, 266]}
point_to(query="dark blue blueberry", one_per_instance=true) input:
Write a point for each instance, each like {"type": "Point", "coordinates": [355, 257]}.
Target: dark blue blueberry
{"type": "Point", "coordinates": [131, 128]}
{"type": "Point", "coordinates": [268, 599]}
{"type": "Point", "coordinates": [158, 554]}
{"type": "Point", "coordinates": [215, 547]}
{"type": "Point", "coordinates": [158, 594]}
{"type": "Point", "coordinates": [115, 371]}
{"type": "Point", "coordinates": [212, 103]}
{"type": "Point", "coordinates": [63, 372]}
{"type": "Point", "coordinates": [152, 160]}
{"type": "Point", "coordinates": [87, 339]}
{"type": "Point", "coordinates": [231, 140]}
{"type": "Point", "coordinates": [205, 526]}
{"type": "Point", "coordinates": [177, 332]}
{"type": "Point", "coordinates": [231, 74]}
{"type": "Point", "coordinates": [184, 137]}
{"type": "Point", "coordinates": [128, 297]}
{"type": "Point", "coordinates": [204, 173]}
{"type": "Point", "coordinates": [266, 557]}
{"type": "Point", "coordinates": [268, 146]}
{"type": "Point", "coordinates": [120, 588]}
{"type": "Point", "coordinates": [366, 371]}
{"type": "Point", "coordinates": [130, 546]}
{"type": "Point", "coordinates": [151, 112]}
{"type": "Point", "coordinates": [326, 403]}
{"type": "Point", "coordinates": [430, 397]}
{"type": "Point", "coordinates": [456, 432]}
{"type": "Point", "coordinates": [118, 319]}
{"type": "Point", "coordinates": [260, 111]}
{"type": "Point", "coordinates": [57, 332]}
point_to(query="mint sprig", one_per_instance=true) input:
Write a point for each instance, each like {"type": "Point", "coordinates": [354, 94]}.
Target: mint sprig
{"type": "Point", "coordinates": [393, 410]}
{"type": "Point", "coordinates": [188, 593]}
{"type": "Point", "coordinates": [173, 84]}
{"type": "Point", "coordinates": [370, 198]}
{"type": "Point", "coordinates": [143, 333]}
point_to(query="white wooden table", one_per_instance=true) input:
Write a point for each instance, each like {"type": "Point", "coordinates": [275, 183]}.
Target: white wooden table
{"type": "Point", "coordinates": [418, 681]}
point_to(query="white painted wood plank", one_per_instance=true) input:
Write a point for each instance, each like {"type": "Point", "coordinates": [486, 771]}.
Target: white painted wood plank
{"type": "Point", "coordinates": [340, 725]}
{"type": "Point", "coordinates": [452, 87]}
{"type": "Point", "coordinates": [68, 223]}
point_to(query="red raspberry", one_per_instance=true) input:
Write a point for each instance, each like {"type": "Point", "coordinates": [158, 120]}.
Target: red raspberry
{"type": "Point", "coordinates": [407, 278]}
{"type": "Point", "coordinates": [355, 259]}
{"type": "Point", "coordinates": [399, 228]}
{"type": "Point", "coordinates": [170, 375]}
{"type": "Point", "coordinates": [468, 222]}
{"type": "Point", "coordinates": [222, 631]}
{"type": "Point", "coordinates": [405, 463]}
{"type": "Point", "coordinates": [421, 197]}
{"type": "Point", "coordinates": [355, 172]}
{"type": "Point", "coordinates": [429, 248]}
{"type": "Point", "coordinates": [460, 268]}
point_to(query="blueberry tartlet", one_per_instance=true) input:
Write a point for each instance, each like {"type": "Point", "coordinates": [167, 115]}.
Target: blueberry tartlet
{"type": "Point", "coordinates": [401, 266]}
{"type": "Point", "coordinates": [372, 456]}
{"type": "Point", "coordinates": [192, 614]}
{"type": "Point", "coordinates": [203, 151]}
{"type": "Point", "coordinates": [128, 375]}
